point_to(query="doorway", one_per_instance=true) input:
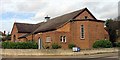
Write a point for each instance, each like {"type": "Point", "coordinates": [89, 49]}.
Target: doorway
{"type": "Point", "coordinates": [39, 43]}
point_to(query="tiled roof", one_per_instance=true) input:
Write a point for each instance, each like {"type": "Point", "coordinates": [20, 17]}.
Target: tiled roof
{"type": "Point", "coordinates": [27, 28]}
{"type": "Point", "coordinates": [52, 24]}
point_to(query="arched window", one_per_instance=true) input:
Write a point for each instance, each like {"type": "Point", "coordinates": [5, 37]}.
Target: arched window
{"type": "Point", "coordinates": [63, 38]}
{"type": "Point", "coordinates": [86, 17]}
{"type": "Point", "coordinates": [82, 34]}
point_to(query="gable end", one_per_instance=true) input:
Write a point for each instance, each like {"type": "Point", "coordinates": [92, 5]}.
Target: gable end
{"type": "Point", "coordinates": [87, 11]}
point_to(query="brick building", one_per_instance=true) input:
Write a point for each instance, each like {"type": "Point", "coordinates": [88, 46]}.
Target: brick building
{"type": "Point", "coordinates": [79, 27]}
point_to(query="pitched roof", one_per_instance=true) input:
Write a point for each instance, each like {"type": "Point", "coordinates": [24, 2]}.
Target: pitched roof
{"type": "Point", "coordinates": [26, 28]}
{"type": "Point", "coordinates": [56, 22]}
{"type": "Point", "coordinates": [52, 24]}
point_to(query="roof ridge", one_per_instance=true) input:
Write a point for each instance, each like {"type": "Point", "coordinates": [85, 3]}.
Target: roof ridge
{"type": "Point", "coordinates": [69, 13]}
{"type": "Point", "coordinates": [23, 23]}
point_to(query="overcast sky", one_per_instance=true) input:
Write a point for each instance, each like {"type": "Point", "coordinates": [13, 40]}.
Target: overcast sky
{"type": "Point", "coordinates": [34, 11]}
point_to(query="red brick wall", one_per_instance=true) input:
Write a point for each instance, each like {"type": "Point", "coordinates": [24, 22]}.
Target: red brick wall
{"type": "Point", "coordinates": [97, 31]}
{"type": "Point", "coordinates": [14, 32]}
{"type": "Point", "coordinates": [93, 31]}
{"type": "Point", "coordinates": [82, 15]}
{"type": "Point", "coordinates": [55, 38]}
{"type": "Point", "coordinates": [55, 35]}
{"type": "Point", "coordinates": [75, 34]}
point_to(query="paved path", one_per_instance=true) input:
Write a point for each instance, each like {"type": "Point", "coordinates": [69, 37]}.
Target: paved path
{"type": "Point", "coordinates": [108, 56]}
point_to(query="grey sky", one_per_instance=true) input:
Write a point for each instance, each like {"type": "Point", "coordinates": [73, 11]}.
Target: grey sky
{"type": "Point", "coordinates": [40, 8]}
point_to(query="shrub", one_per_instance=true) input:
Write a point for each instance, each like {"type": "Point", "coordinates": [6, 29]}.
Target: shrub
{"type": "Point", "coordinates": [6, 45]}
{"type": "Point", "coordinates": [117, 44]}
{"type": "Point", "coordinates": [70, 46]}
{"type": "Point", "coordinates": [102, 44]}
{"type": "Point", "coordinates": [19, 45]}
{"type": "Point", "coordinates": [55, 46]}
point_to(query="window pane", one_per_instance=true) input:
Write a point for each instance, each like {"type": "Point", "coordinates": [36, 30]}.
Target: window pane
{"type": "Point", "coordinates": [82, 31]}
{"type": "Point", "coordinates": [85, 17]}
{"type": "Point", "coordinates": [48, 39]}
{"type": "Point", "coordinates": [64, 38]}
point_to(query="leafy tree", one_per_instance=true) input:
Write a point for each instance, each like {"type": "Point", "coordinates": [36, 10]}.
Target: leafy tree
{"type": "Point", "coordinates": [6, 37]}
{"type": "Point", "coordinates": [111, 28]}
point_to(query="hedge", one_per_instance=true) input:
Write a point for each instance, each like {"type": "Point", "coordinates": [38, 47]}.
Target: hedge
{"type": "Point", "coordinates": [19, 45]}
{"type": "Point", "coordinates": [102, 44]}
{"type": "Point", "coordinates": [117, 44]}
{"type": "Point", "coordinates": [70, 46]}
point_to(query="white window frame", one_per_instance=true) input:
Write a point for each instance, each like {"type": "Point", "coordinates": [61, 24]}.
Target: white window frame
{"type": "Point", "coordinates": [82, 33]}
{"type": "Point", "coordinates": [63, 37]}
{"type": "Point", "coordinates": [48, 39]}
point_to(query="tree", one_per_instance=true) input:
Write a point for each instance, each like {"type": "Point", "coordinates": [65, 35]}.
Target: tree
{"type": "Point", "coordinates": [111, 28]}
{"type": "Point", "coordinates": [0, 38]}
{"type": "Point", "coordinates": [6, 37]}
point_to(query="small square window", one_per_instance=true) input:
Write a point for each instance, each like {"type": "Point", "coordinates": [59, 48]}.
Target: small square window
{"type": "Point", "coordinates": [86, 17]}
{"type": "Point", "coordinates": [48, 39]}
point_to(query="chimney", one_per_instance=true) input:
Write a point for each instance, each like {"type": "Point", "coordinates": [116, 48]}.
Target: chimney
{"type": "Point", "coordinates": [47, 18]}
{"type": "Point", "coordinates": [4, 32]}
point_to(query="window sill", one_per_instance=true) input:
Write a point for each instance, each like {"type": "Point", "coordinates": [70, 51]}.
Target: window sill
{"type": "Point", "coordinates": [63, 42]}
{"type": "Point", "coordinates": [47, 42]}
{"type": "Point", "coordinates": [82, 38]}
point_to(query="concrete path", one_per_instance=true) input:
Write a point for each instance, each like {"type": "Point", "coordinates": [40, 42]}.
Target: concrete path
{"type": "Point", "coordinates": [106, 56]}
